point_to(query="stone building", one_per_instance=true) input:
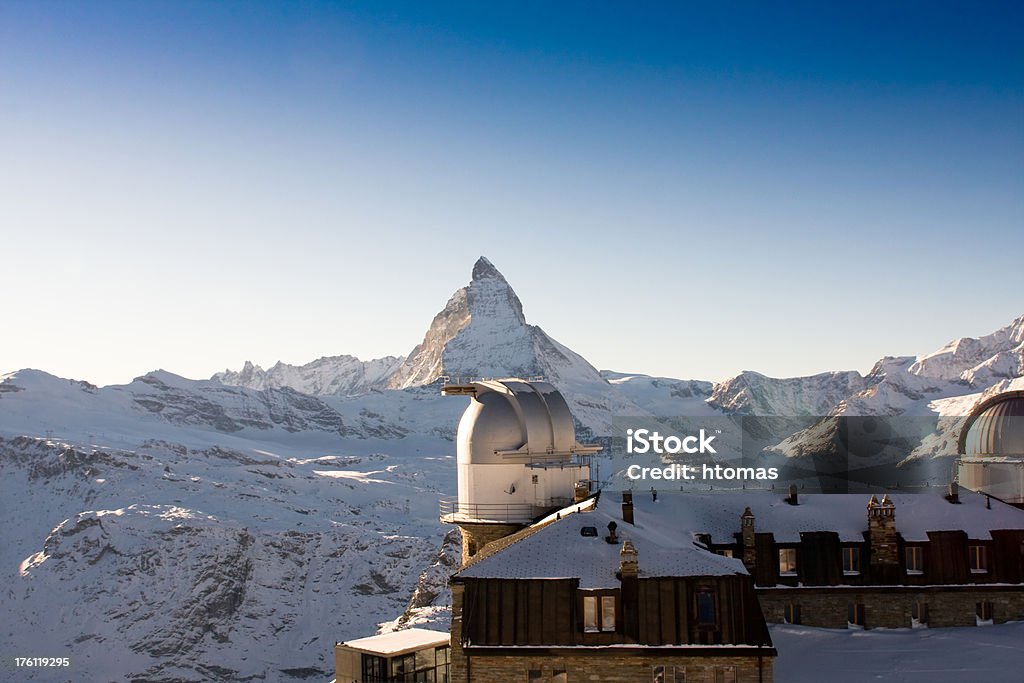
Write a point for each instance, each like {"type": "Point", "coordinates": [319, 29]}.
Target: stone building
{"type": "Point", "coordinates": [585, 596]}
{"type": "Point", "coordinates": [559, 585]}
{"type": "Point", "coordinates": [839, 560]}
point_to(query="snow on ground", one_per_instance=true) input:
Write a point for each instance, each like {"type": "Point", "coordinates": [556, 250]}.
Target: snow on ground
{"type": "Point", "coordinates": [942, 655]}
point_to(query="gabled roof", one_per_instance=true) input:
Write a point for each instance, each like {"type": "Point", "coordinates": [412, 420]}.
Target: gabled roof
{"type": "Point", "coordinates": [558, 550]}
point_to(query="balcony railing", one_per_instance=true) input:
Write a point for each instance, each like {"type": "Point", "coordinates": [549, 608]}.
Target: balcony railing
{"type": "Point", "coordinates": [452, 510]}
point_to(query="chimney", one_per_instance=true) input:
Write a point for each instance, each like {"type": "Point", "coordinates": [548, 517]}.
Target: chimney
{"type": "Point", "coordinates": [793, 499]}
{"type": "Point", "coordinates": [629, 568]}
{"type": "Point", "coordinates": [627, 507]}
{"type": "Point", "coordinates": [747, 534]}
{"type": "Point", "coordinates": [612, 537]}
{"type": "Point", "coordinates": [954, 493]}
{"type": "Point", "coordinates": [882, 537]}
{"type": "Point", "coordinates": [582, 491]}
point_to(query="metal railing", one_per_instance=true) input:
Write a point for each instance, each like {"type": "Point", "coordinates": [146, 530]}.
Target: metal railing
{"type": "Point", "coordinates": [453, 510]}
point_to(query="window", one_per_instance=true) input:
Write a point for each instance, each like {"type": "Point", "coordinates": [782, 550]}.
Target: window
{"type": "Point", "coordinates": [559, 676]}
{"type": "Point", "coordinates": [668, 674]}
{"type": "Point", "coordinates": [375, 669]}
{"type": "Point", "coordinates": [706, 607]}
{"type": "Point", "coordinates": [919, 614]}
{"type": "Point", "coordinates": [534, 676]}
{"type": "Point", "coordinates": [590, 614]}
{"type": "Point", "coordinates": [851, 561]}
{"type": "Point", "coordinates": [979, 558]}
{"type": "Point", "coordinates": [983, 610]}
{"type": "Point", "coordinates": [607, 612]}
{"type": "Point", "coordinates": [791, 613]}
{"type": "Point", "coordinates": [855, 614]}
{"type": "Point", "coordinates": [598, 613]}
{"type": "Point", "coordinates": [787, 561]}
{"type": "Point", "coordinates": [914, 556]}
{"type": "Point", "coordinates": [725, 674]}
{"type": "Point", "coordinates": [725, 552]}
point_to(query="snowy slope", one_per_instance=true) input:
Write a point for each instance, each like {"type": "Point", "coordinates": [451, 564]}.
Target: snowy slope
{"type": "Point", "coordinates": [174, 530]}
{"type": "Point", "coordinates": [943, 655]}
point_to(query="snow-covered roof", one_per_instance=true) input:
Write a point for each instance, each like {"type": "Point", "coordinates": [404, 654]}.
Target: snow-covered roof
{"type": "Point", "coordinates": [560, 551]}
{"type": "Point", "coordinates": [399, 642]}
{"type": "Point", "coordinates": [718, 514]}
{"type": "Point", "coordinates": [665, 531]}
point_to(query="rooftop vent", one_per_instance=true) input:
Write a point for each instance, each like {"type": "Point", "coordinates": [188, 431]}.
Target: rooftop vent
{"type": "Point", "coordinates": [793, 498]}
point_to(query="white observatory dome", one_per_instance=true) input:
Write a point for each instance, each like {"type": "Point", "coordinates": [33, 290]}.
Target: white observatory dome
{"type": "Point", "coordinates": [517, 452]}
{"type": "Point", "coordinates": [992, 448]}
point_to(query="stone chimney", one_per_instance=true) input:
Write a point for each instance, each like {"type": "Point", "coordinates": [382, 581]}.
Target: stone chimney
{"type": "Point", "coordinates": [747, 534]}
{"type": "Point", "coordinates": [627, 507]}
{"type": "Point", "coordinates": [883, 539]}
{"type": "Point", "coordinates": [629, 568]}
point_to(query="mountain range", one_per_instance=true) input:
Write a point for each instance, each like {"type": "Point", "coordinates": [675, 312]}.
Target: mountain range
{"type": "Point", "coordinates": [232, 529]}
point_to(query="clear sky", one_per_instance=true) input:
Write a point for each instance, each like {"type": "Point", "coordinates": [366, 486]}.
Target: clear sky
{"type": "Point", "coordinates": [687, 189]}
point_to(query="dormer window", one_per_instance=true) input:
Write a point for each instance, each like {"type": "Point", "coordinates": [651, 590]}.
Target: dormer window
{"type": "Point", "coordinates": [914, 555]}
{"type": "Point", "coordinates": [978, 555]}
{"type": "Point", "coordinates": [787, 561]}
{"type": "Point", "coordinates": [706, 613]}
{"type": "Point", "coordinates": [598, 613]}
{"type": "Point", "coordinates": [851, 561]}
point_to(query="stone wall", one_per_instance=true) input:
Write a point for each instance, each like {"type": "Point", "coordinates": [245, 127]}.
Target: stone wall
{"type": "Point", "coordinates": [891, 607]}
{"type": "Point", "coordinates": [615, 668]}
{"type": "Point", "coordinates": [476, 536]}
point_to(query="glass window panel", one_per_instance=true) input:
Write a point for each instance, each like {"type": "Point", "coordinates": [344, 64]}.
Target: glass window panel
{"type": "Point", "coordinates": [590, 613]}
{"type": "Point", "coordinates": [979, 559]}
{"type": "Point", "coordinates": [608, 613]}
{"type": "Point", "coordinates": [851, 560]}
{"type": "Point", "coordinates": [706, 607]}
{"type": "Point", "coordinates": [787, 560]}
{"type": "Point", "coordinates": [914, 556]}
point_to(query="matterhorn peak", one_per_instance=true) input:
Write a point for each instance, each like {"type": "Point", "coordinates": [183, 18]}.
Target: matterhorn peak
{"type": "Point", "coordinates": [483, 269]}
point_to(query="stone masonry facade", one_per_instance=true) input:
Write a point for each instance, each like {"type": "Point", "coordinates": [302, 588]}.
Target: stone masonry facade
{"type": "Point", "coordinates": [893, 607]}
{"type": "Point", "coordinates": [613, 668]}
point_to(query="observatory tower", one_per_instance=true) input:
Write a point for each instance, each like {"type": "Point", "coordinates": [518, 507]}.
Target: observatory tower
{"type": "Point", "coordinates": [518, 459]}
{"type": "Point", "coordinates": [992, 448]}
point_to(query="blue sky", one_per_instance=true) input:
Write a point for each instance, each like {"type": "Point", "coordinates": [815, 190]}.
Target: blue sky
{"type": "Point", "coordinates": [688, 189]}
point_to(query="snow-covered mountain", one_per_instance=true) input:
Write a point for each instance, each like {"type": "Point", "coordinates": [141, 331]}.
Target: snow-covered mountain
{"type": "Point", "coordinates": [751, 393]}
{"type": "Point", "coordinates": [980, 362]}
{"type": "Point", "coordinates": [232, 529]}
{"type": "Point", "coordinates": [481, 332]}
{"type": "Point", "coordinates": [330, 375]}
{"type": "Point", "coordinates": [929, 393]}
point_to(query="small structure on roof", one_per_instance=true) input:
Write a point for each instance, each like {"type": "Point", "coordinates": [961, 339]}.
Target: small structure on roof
{"type": "Point", "coordinates": [413, 654]}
